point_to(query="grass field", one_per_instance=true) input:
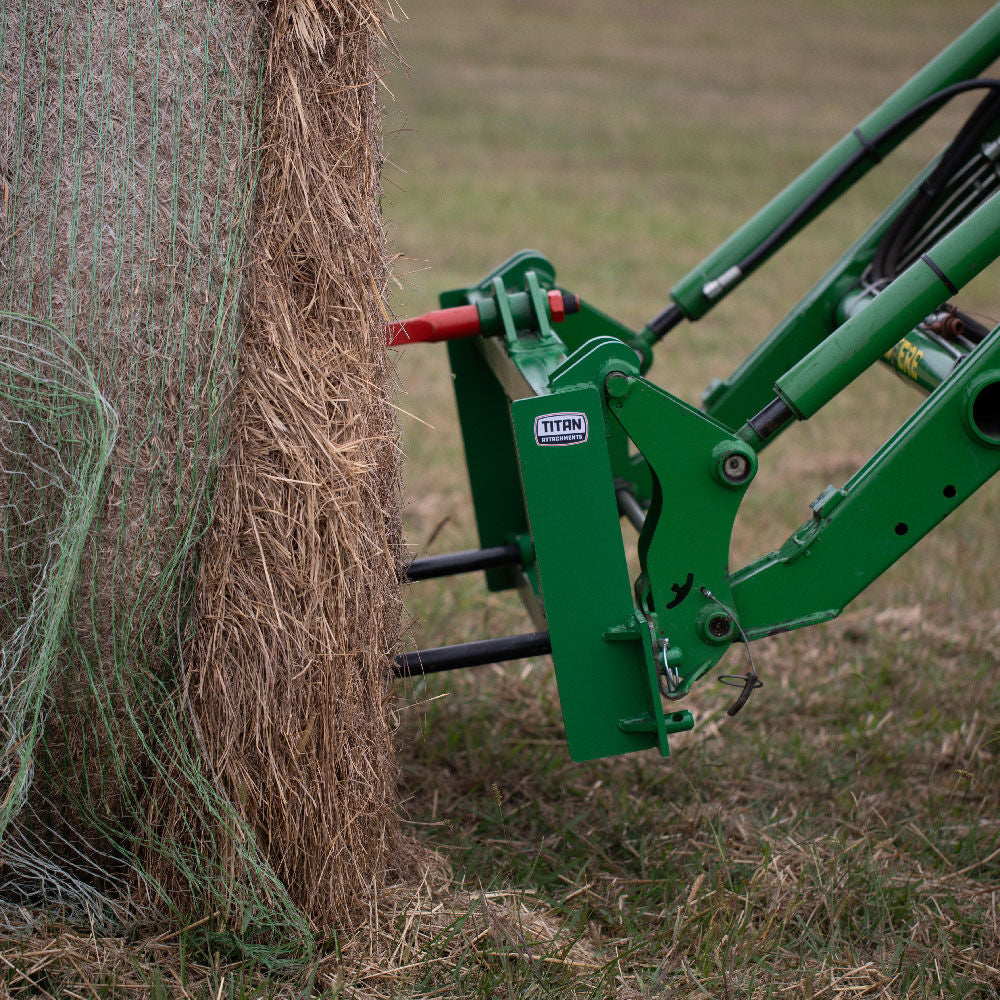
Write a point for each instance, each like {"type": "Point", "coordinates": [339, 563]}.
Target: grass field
{"type": "Point", "coordinates": [841, 837]}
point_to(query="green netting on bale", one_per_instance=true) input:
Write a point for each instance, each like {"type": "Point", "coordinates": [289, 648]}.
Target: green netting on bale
{"type": "Point", "coordinates": [127, 173]}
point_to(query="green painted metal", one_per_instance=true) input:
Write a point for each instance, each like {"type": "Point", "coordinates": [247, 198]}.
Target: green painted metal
{"type": "Point", "coordinates": [947, 449]}
{"type": "Point", "coordinates": [503, 299]}
{"type": "Point", "coordinates": [483, 399]}
{"type": "Point", "coordinates": [607, 651]}
{"type": "Point", "coordinates": [575, 527]}
{"type": "Point", "coordinates": [511, 270]}
{"type": "Point", "coordinates": [557, 417]}
{"type": "Point", "coordinates": [607, 669]}
{"type": "Point", "coordinates": [815, 317]}
{"type": "Point", "coordinates": [507, 312]}
{"type": "Point", "coordinates": [968, 55]}
{"type": "Point", "coordinates": [684, 449]}
{"type": "Point", "coordinates": [617, 643]}
{"type": "Point", "coordinates": [833, 299]}
{"type": "Point", "coordinates": [922, 358]}
{"type": "Point", "coordinates": [590, 322]}
{"type": "Point", "coordinates": [490, 454]}
{"type": "Point", "coordinates": [832, 365]}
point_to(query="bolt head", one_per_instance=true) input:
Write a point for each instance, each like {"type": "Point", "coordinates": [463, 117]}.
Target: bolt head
{"type": "Point", "coordinates": [617, 385]}
{"type": "Point", "coordinates": [735, 467]}
{"type": "Point", "coordinates": [720, 626]}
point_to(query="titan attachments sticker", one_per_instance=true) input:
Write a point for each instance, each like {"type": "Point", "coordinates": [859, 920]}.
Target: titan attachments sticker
{"type": "Point", "coordinates": [561, 428]}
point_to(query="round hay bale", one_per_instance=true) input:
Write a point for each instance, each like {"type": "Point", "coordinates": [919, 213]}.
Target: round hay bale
{"type": "Point", "coordinates": [191, 269]}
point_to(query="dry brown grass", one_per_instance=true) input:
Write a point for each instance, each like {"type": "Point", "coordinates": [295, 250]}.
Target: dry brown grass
{"type": "Point", "coordinates": [298, 599]}
{"type": "Point", "coordinates": [417, 928]}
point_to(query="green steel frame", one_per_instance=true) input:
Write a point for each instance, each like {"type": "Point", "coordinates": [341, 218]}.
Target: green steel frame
{"type": "Point", "coordinates": [557, 423]}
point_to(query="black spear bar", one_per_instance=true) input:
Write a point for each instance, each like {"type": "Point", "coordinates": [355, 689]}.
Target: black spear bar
{"type": "Point", "coordinates": [629, 507]}
{"type": "Point", "coordinates": [511, 647]}
{"type": "Point", "coordinates": [502, 555]}
{"type": "Point", "coordinates": [462, 562]}
{"type": "Point", "coordinates": [472, 654]}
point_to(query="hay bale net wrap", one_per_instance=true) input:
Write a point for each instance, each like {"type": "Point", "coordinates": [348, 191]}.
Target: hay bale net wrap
{"type": "Point", "coordinates": [130, 138]}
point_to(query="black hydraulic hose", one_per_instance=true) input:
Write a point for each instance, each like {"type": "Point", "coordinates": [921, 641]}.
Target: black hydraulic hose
{"type": "Point", "coordinates": [887, 261]}
{"type": "Point", "coordinates": [871, 148]}
{"type": "Point", "coordinates": [670, 317]}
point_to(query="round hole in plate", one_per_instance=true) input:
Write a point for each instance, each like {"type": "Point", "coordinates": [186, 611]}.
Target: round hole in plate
{"type": "Point", "coordinates": [986, 411]}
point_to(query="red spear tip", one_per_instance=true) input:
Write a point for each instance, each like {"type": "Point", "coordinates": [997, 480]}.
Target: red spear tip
{"type": "Point", "coordinates": [441, 324]}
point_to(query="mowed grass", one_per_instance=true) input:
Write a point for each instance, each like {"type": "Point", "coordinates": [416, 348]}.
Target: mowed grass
{"type": "Point", "coordinates": [840, 838]}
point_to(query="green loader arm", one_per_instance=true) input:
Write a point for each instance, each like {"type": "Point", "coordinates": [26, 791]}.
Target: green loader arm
{"type": "Point", "coordinates": [565, 436]}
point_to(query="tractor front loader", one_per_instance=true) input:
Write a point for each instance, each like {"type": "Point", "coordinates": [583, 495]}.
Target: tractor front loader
{"type": "Point", "coordinates": [564, 435]}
